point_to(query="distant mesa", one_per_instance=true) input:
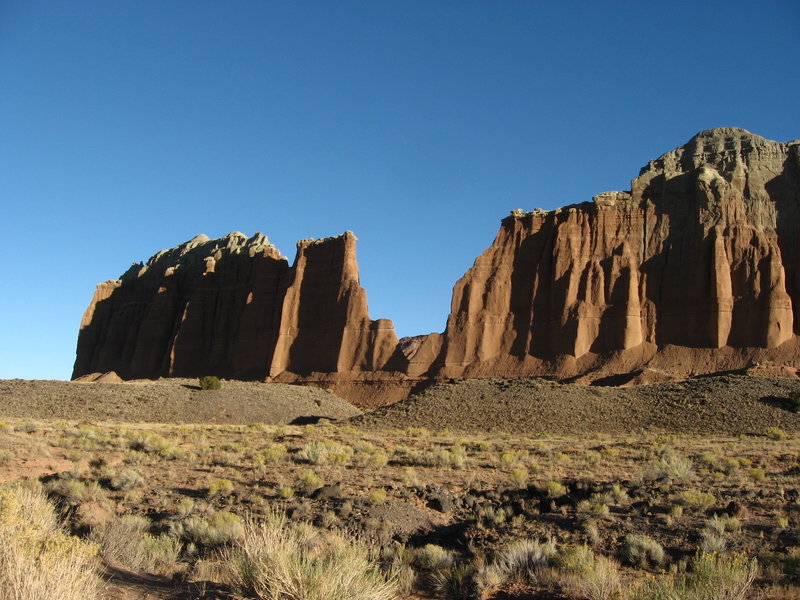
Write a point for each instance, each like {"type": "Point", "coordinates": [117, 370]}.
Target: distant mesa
{"type": "Point", "coordinates": [694, 270]}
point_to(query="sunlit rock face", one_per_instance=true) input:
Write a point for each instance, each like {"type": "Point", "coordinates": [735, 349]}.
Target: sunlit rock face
{"type": "Point", "coordinates": [234, 307]}
{"type": "Point", "coordinates": [700, 254]}
{"type": "Point", "coordinates": [693, 270]}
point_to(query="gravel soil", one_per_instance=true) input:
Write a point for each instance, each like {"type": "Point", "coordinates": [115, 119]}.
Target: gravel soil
{"type": "Point", "coordinates": [170, 401]}
{"type": "Point", "coordinates": [720, 405]}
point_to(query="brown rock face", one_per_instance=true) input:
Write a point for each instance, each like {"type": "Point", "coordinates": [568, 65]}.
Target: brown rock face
{"type": "Point", "coordinates": [701, 254]}
{"type": "Point", "coordinates": [233, 307]}
{"type": "Point", "coordinates": [694, 270]}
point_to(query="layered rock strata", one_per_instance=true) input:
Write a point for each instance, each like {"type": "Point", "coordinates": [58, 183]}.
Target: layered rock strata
{"type": "Point", "coordinates": [233, 307]}
{"type": "Point", "coordinates": [693, 270]}
{"type": "Point", "coordinates": [701, 254]}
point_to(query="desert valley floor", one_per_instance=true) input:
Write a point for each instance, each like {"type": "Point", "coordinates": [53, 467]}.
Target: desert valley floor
{"type": "Point", "coordinates": [493, 488]}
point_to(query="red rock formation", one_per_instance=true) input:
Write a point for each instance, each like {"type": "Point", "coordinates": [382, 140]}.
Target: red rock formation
{"type": "Point", "coordinates": [694, 270]}
{"type": "Point", "coordinates": [702, 253]}
{"type": "Point", "coordinates": [325, 325]}
{"type": "Point", "coordinates": [233, 307]}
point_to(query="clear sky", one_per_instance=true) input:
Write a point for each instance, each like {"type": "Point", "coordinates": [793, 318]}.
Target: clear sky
{"type": "Point", "coordinates": [131, 126]}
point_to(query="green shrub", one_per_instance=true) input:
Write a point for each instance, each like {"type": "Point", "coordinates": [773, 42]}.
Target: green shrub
{"type": "Point", "coordinates": [210, 382]}
{"type": "Point", "coordinates": [669, 467]}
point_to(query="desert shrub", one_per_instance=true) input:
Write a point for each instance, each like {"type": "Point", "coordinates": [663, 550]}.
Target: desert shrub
{"type": "Point", "coordinates": [37, 559]}
{"type": "Point", "coordinates": [775, 433]}
{"type": "Point", "coordinates": [519, 561]}
{"type": "Point", "coordinates": [308, 481]}
{"type": "Point", "coordinates": [6, 455]}
{"type": "Point", "coordinates": [670, 467]}
{"type": "Point", "coordinates": [730, 465]}
{"type": "Point", "coordinates": [184, 508]}
{"type": "Point", "coordinates": [695, 500]}
{"type": "Point", "coordinates": [417, 432]}
{"type": "Point", "coordinates": [274, 453]}
{"type": "Point", "coordinates": [452, 458]}
{"type": "Point", "coordinates": [210, 382]}
{"type": "Point", "coordinates": [375, 460]}
{"type": "Point", "coordinates": [325, 452]}
{"type": "Point", "coordinates": [711, 577]}
{"type": "Point", "coordinates": [554, 489]}
{"type": "Point", "coordinates": [396, 562]}
{"type": "Point", "coordinates": [584, 575]}
{"type": "Point", "coordinates": [456, 582]}
{"type": "Point", "coordinates": [594, 507]}
{"type": "Point", "coordinates": [510, 458]}
{"type": "Point", "coordinates": [220, 488]}
{"type": "Point", "coordinates": [376, 496]}
{"type": "Point", "coordinates": [492, 516]}
{"type": "Point", "coordinates": [125, 480]}
{"type": "Point", "coordinates": [285, 492]}
{"type": "Point", "coordinates": [276, 560]}
{"type": "Point", "coordinates": [222, 528]}
{"type": "Point", "coordinates": [152, 443]}
{"type": "Point", "coordinates": [431, 557]}
{"type": "Point", "coordinates": [126, 541]}
{"type": "Point", "coordinates": [518, 477]}
{"type": "Point", "coordinates": [75, 491]}
{"type": "Point", "coordinates": [573, 559]}
{"type": "Point", "coordinates": [592, 532]}
{"type": "Point", "coordinates": [641, 550]}
{"type": "Point", "coordinates": [712, 536]}
{"type": "Point", "coordinates": [618, 494]}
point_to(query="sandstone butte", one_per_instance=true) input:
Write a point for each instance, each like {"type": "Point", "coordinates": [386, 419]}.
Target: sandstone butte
{"type": "Point", "coordinates": [694, 270]}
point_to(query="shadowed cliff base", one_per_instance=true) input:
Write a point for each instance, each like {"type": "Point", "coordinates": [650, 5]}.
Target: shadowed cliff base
{"type": "Point", "coordinates": [693, 270]}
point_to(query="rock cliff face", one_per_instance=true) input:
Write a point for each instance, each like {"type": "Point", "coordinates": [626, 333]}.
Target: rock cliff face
{"type": "Point", "coordinates": [701, 254]}
{"type": "Point", "coordinates": [695, 269]}
{"type": "Point", "coordinates": [233, 307]}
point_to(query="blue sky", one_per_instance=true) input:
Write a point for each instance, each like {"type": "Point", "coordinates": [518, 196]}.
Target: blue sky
{"type": "Point", "coordinates": [131, 126]}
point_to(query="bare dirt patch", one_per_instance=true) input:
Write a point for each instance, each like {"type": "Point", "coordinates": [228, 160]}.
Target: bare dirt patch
{"type": "Point", "coordinates": [171, 401]}
{"type": "Point", "coordinates": [720, 405]}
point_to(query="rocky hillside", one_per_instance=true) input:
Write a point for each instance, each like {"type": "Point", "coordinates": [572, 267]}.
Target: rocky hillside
{"type": "Point", "coordinates": [694, 270]}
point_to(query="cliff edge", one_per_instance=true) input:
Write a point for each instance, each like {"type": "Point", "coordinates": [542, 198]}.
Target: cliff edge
{"type": "Point", "coordinates": [693, 270]}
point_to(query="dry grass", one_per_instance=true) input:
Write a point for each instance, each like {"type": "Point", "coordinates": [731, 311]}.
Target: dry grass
{"type": "Point", "coordinates": [37, 559]}
{"type": "Point", "coordinates": [460, 513]}
{"type": "Point", "coordinates": [276, 560]}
